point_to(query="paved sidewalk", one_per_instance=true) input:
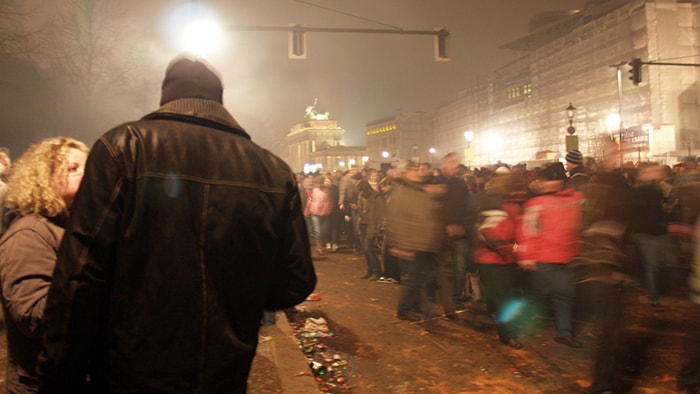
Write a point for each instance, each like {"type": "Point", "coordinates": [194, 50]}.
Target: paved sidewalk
{"type": "Point", "coordinates": [279, 363]}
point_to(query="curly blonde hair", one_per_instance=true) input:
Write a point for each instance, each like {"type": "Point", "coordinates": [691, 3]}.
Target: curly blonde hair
{"type": "Point", "coordinates": [32, 185]}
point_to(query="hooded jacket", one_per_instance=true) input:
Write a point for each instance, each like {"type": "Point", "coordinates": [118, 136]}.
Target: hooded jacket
{"type": "Point", "coordinates": [183, 231]}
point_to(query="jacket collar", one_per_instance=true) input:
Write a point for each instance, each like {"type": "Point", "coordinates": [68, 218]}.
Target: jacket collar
{"type": "Point", "coordinates": [195, 108]}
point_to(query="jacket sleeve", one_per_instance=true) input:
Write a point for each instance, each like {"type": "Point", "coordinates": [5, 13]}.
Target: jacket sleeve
{"type": "Point", "coordinates": [496, 232]}
{"type": "Point", "coordinates": [294, 278]}
{"type": "Point", "coordinates": [77, 304]}
{"type": "Point", "coordinates": [28, 263]}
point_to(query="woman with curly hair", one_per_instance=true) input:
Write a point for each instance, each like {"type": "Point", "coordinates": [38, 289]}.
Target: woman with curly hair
{"type": "Point", "coordinates": [41, 188]}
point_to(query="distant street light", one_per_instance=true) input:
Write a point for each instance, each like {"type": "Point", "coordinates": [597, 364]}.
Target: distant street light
{"type": "Point", "coordinates": [469, 136]}
{"type": "Point", "coordinates": [432, 152]}
{"type": "Point", "coordinates": [385, 154]}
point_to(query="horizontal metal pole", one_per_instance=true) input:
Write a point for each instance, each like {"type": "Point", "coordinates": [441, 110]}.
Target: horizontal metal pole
{"type": "Point", "coordinates": [442, 32]}
{"type": "Point", "coordinates": [671, 64]}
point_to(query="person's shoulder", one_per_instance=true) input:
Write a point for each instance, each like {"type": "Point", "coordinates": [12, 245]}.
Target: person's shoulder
{"type": "Point", "coordinates": [121, 133]}
{"type": "Point", "coordinates": [28, 221]}
{"type": "Point", "coordinates": [31, 222]}
{"type": "Point", "coordinates": [272, 159]}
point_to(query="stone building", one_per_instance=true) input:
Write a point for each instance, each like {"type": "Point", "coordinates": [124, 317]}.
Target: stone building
{"type": "Point", "coordinates": [403, 136]}
{"type": "Point", "coordinates": [316, 144]}
{"type": "Point", "coordinates": [581, 57]}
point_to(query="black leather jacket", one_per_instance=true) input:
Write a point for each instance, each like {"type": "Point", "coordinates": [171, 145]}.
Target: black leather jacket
{"type": "Point", "coordinates": [183, 231]}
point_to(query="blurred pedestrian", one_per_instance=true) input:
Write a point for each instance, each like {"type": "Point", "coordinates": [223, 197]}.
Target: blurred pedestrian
{"type": "Point", "coordinates": [689, 376]}
{"type": "Point", "coordinates": [347, 204]}
{"type": "Point", "coordinates": [319, 208]}
{"type": "Point", "coordinates": [371, 211]}
{"type": "Point", "coordinates": [548, 238]}
{"type": "Point", "coordinates": [416, 232]}
{"type": "Point", "coordinates": [391, 269]}
{"type": "Point", "coordinates": [183, 232]}
{"type": "Point", "coordinates": [601, 269]}
{"type": "Point", "coordinates": [649, 231]}
{"type": "Point", "coordinates": [578, 173]}
{"type": "Point", "coordinates": [499, 210]}
{"type": "Point", "coordinates": [452, 260]}
{"type": "Point", "coordinates": [40, 193]}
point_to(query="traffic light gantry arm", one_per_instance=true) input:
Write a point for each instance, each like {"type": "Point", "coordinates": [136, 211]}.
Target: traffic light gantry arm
{"type": "Point", "coordinates": [298, 39]}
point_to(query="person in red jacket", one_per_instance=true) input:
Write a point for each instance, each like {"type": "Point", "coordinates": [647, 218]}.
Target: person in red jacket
{"type": "Point", "coordinates": [499, 216]}
{"type": "Point", "coordinates": [548, 238]}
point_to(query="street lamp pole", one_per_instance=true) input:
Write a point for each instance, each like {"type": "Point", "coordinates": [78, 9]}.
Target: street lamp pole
{"type": "Point", "coordinates": [571, 139]}
{"type": "Point", "coordinates": [619, 104]}
{"type": "Point", "coordinates": [468, 153]}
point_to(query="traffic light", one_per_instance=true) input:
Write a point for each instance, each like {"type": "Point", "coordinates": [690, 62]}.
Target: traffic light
{"type": "Point", "coordinates": [297, 43]}
{"type": "Point", "coordinates": [441, 53]}
{"type": "Point", "coordinates": [635, 70]}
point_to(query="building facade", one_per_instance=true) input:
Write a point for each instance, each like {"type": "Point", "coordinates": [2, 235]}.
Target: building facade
{"type": "Point", "coordinates": [405, 135]}
{"type": "Point", "coordinates": [581, 57]}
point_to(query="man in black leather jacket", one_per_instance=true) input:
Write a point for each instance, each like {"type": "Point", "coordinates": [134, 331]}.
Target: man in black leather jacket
{"type": "Point", "coordinates": [183, 232]}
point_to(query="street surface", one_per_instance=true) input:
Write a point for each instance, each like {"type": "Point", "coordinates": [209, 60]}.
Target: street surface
{"type": "Point", "coordinates": [381, 354]}
{"type": "Point", "coordinates": [387, 355]}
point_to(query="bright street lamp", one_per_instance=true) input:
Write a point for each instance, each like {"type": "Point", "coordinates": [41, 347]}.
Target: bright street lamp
{"type": "Point", "coordinates": [385, 154]}
{"type": "Point", "coordinates": [613, 122]}
{"type": "Point", "coordinates": [491, 143]}
{"type": "Point", "coordinates": [202, 37]}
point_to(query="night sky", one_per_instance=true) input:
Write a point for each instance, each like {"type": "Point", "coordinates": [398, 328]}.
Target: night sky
{"type": "Point", "coordinates": [357, 78]}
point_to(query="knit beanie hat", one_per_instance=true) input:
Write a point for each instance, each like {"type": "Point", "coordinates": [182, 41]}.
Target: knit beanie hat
{"type": "Point", "coordinates": [191, 77]}
{"type": "Point", "coordinates": [574, 157]}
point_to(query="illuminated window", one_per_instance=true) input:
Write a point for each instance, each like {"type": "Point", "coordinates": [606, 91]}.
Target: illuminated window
{"type": "Point", "coordinates": [382, 129]}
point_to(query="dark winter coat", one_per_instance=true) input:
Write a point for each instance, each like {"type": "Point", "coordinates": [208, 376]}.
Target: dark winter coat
{"type": "Point", "coordinates": [183, 231]}
{"type": "Point", "coordinates": [27, 260]}
{"type": "Point", "coordinates": [414, 219]}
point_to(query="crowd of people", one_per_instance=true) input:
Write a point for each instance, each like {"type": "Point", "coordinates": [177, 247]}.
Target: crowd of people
{"type": "Point", "coordinates": [562, 237]}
